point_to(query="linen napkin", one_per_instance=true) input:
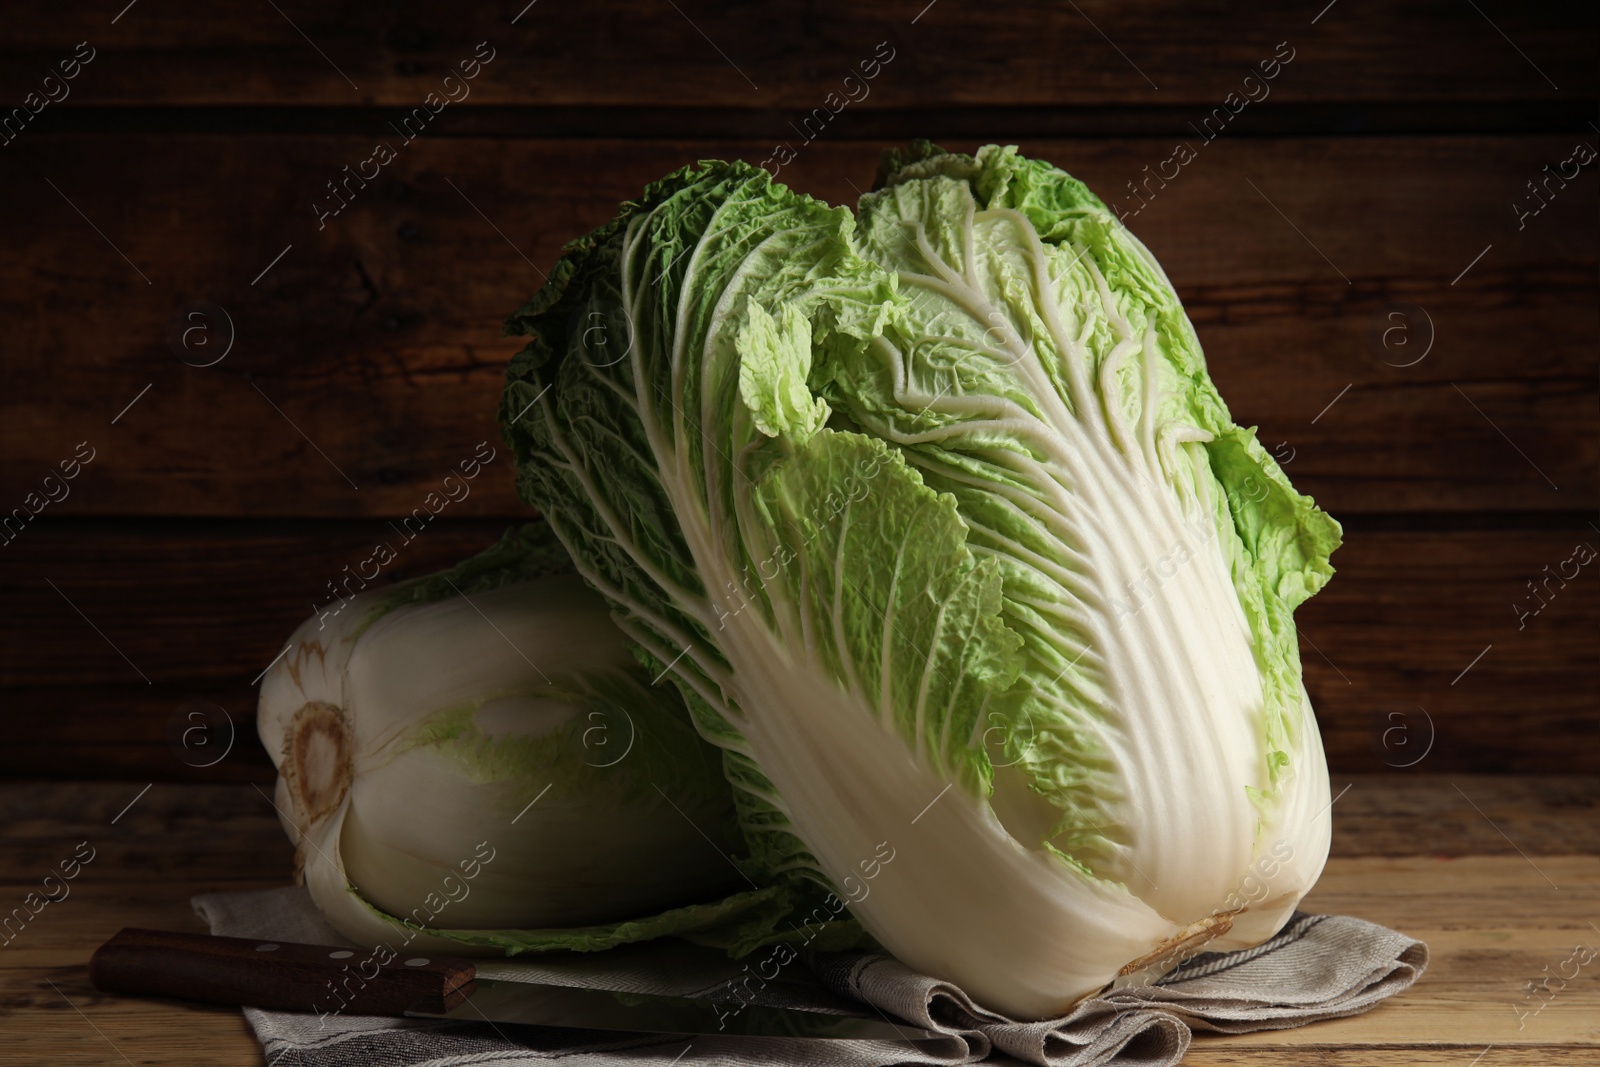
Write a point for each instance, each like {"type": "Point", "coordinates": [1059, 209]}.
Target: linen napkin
{"type": "Point", "coordinates": [1318, 967]}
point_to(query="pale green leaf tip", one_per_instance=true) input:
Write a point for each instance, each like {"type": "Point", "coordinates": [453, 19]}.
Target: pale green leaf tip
{"type": "Point", "coordinates": [774, 362]}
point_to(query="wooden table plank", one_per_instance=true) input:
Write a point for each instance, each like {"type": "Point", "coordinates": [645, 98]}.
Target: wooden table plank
{"type": "Point", "coordinates": [1474, 993]}
{"type": "Point", "coordinates": [377, 338]}
{"type": "Point", "coordinates": [58, 1030]}
{"type": "Point", "coordinates": [1491, 920]}
{"type": "Point", "coordinates": [1557, 893]}
{"type": "Point", "coordinates": [201, 609]}
{"type": "Point", "coordinates": [1219, 1051]}
{"type": "Point", "coordinates": [789, 54]}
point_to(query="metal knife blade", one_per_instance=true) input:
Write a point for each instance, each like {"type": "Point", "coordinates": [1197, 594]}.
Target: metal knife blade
{"type": "Point", "coordinates": [525, 1003]}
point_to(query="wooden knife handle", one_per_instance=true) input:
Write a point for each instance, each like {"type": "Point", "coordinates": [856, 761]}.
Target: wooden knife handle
{"type": "Point", "coordinates": [280, 975]}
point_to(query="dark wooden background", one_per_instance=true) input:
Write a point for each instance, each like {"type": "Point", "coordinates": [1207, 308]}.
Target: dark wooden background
{"type": "Point", "coordinates": [367, 361]}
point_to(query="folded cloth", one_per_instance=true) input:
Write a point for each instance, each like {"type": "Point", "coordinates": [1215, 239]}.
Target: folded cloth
{"type": "Point", "coordinates": [1318, 967]}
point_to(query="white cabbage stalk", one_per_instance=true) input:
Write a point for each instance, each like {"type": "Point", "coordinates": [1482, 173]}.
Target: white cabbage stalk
{"type": "Point", "coordinates": [936, 517]}
{"type": "Point", "coordinates": [487, 762]}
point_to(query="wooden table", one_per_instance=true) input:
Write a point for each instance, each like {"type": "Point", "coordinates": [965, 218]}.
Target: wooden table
{"type": "Point", "coordinates": [1500, 876]}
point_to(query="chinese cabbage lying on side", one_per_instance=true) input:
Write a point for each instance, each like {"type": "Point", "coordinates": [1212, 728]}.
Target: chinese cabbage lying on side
{"type": "Point", "coordinates": [472, 762]}
{"type": "Point", "coordinates": [942, 530]}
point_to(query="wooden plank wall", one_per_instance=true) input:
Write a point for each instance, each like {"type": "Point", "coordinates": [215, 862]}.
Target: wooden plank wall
{"type": "Point", "coordinates": [1359, 248]}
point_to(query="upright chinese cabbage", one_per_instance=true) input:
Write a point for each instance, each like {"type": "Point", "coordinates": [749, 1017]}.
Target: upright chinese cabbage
{"type": "Point", "coordinates": [937, 522]}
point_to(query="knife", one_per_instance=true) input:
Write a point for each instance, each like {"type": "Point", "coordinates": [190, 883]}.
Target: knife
{"type": "Point", "coordinates": [324, 979]}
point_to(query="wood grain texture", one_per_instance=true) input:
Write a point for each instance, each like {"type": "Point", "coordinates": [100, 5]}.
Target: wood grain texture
{"type": "Point", "coordinates": [201, 608]}
{"type": "Point", "coordinates": [370, 357]}
{"type": "Point", "coordinates": [1479, 815]}
{"type": "Point", "coordinates": [1491, 921]}
{"type": "Point", "coordinates": [1219, 1051]}
{"type": "Point", "coordinates": [1474, 986]}
{"type": "Point", "coordinates": [789, 55]}
{"type": "Point", "coordinates": [884, 125]}
{"type": "Point", "coordinates": [1400, 640]}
